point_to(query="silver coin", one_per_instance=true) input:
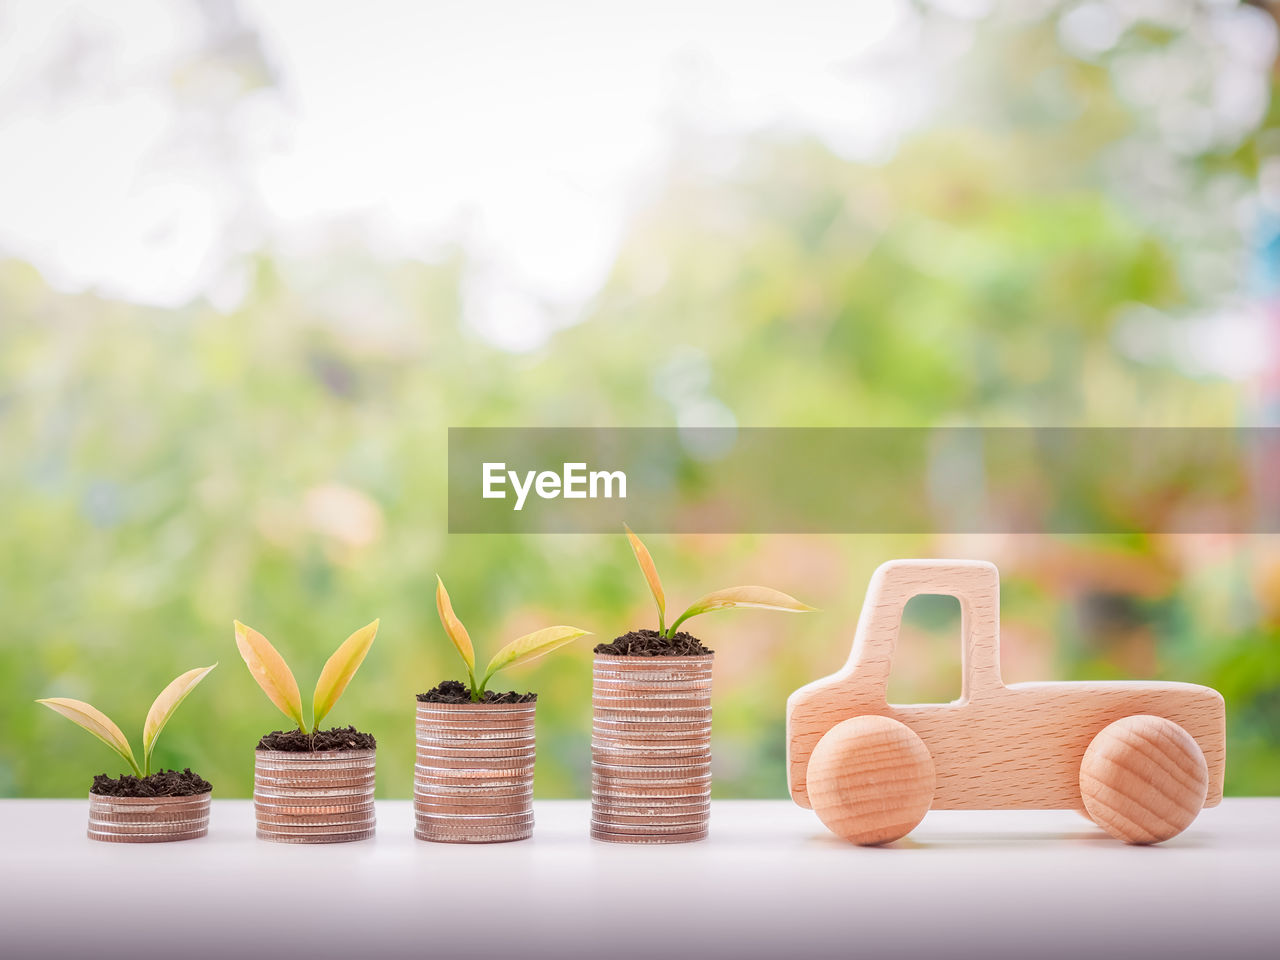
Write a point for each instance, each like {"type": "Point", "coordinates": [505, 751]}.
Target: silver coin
{"type": "Point", "coordinates": [658, 813]}
{"type": "Point", "coordinates": [606, 789]}
{"type": "Point", "coordinates": [436, 834]}
{"type": "Point", "coordinates": [315, 776]}
{"type": "Point", "coordinates": [497, 788]}
{"type": "Point", "coordinates": [650, 754]}
{"type": "Point", "coordinates": [428, 764]}
{"type": "Point", "coordinates": [476, 757]}
{"type": "Point", "coordinates": [493, 720]}
{"type": "Point", "coordinates": [349, 819]}
{"type": "Point", "coordinates": [315, 822]}
{"type": "Point", "coordinates": [284, 795]}
{"type": "Point", "coordinates": [603, 832]}
{"type": "Point", "coordinates": [605, 733]}
{"type": "Point", "coordinates": [193, 832]}
{"type": "Point", "coordinates": [270, 808]}
{"type": "Point", "coordinates": [691, 776]}
{"type": "Point", "coordinates": [315, 838]}
{"type": "Point", "coordinates": [425, 806]}
{"type": "Point", "coordinates": [145, 817]}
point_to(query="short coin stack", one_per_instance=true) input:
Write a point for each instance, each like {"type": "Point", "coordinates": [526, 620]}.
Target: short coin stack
{"type": "Point", "coordinates": [319, 797]}
{"type": "Point", "coordinates": [148, 819]}
{"type": "Point", "coordinates": [473, 779]}
{"type": "Point", "coordinates": [651, 749]}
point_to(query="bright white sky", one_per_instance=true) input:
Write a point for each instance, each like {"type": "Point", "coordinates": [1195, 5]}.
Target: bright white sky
{"type": "Point", "coordinates": [529, 131]}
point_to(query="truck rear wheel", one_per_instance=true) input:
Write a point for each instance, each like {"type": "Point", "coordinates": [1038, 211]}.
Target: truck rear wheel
{"type": "Point", "coordinates": [871, 780]}
{"type": "Point", "coordinates": [1143, 779]}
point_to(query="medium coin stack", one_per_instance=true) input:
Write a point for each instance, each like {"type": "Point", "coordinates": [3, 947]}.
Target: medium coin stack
{"type": "Point", "coordinates": [651, 749]}
{"type": "Point", "coordinates": [473, 778]}
{"type": "Point", "coordinates": [148, 819]}
{"type": "Point", "coordinates": [320, 797]}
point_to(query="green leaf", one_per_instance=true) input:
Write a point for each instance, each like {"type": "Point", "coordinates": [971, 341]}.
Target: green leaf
{"type": "Point", "coordinates": [339, 670]}
{"type": "Point", "coordinates": [271, 672]}
{"type": "Point", "coordinates": [765, 598]}
{"type": "Point", "coordinates": [650, 572]}
{"type": "Point", "coordinates": [454, 629]}
{"type": "Point", "coordinates": [163, 708]}
{"type": "Point", "coordinates": [96, 722]}
{"type": "Point", "coordinates": [530, 647]}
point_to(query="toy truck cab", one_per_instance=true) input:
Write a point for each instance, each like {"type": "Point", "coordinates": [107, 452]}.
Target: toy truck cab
{"type": "Point", "coordinates": [1139, 758]}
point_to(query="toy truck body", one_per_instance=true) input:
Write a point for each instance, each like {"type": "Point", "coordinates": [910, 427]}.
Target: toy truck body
{"type": "Point", "coordinates": [997, 746]}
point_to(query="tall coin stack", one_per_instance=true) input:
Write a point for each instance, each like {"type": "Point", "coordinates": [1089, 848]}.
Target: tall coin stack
{"type": "Point", "coordinates": [320, 797]}
{"type": "Point", "coordinates": [651, 749]}
{"type": "Point", "coordinates": [473, 779]}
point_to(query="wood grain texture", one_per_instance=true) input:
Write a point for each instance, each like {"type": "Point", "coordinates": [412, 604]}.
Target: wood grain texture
{"type": "Point", "coordinates": [871, 780]}
{"type": "Point", "coordinates": [1143, 779]}
{"type": "Point", "coordinates": [997, 746]}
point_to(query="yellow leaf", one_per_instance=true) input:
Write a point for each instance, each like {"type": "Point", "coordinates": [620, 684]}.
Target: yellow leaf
{"type": "Point", "coordinates": [339, 670]}
{"type": "Point", "coordinates": [96, 722]}
{"type": "Point", "coordinates": [765, 598]}
{"type": "Point", "coordinates": [650, 574]}
{"type": "Point", "coordinates": [163, 708]}
{"type": "Point", "coordinates": [454, 628]}
{"type": "Point", "coordinates": [272, 673]}
{"type": "Point", "coordinates": [530, 647]}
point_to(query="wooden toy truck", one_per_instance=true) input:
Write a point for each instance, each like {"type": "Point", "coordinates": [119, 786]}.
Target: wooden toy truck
{"type": "Point", "coordinates": [1138, 758]}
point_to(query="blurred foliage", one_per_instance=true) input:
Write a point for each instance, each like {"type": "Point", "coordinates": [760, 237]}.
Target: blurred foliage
{"type": "Point", "coordinates": [283, 462]}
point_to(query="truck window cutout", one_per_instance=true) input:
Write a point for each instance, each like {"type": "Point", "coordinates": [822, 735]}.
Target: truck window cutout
{"type": "Point", "coordinates": [926, 663]}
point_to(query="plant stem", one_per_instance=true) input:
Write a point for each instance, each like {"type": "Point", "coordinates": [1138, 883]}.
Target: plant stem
{"type": "Point", "coordinates": [671, 631]}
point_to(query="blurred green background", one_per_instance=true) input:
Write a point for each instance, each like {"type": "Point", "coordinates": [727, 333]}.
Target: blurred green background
{"type": "Point", "coordinates": [1080, 231]}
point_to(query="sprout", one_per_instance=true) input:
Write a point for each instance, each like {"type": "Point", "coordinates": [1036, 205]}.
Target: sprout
{"type": "Point", "coordinates": [277, 682]}
{"type": "Point", "coordinates": [765, 598]}
{"type": "Point", "coordinates": [521, 650]}
{"type": "Point", "coordinates": [100, 725]}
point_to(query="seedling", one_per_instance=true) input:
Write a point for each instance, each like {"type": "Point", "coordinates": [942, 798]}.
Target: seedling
{"type": "Point", "coordinates": [765, 598]}
{"type": "Point", "coordinates": [277, 682]}
{"type": "Point", "coordinates": [521, 650]}
{"type": "Point", "coordinates": [101, 726]}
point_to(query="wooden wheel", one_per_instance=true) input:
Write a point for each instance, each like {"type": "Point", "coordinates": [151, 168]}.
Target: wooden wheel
{"type": "Point", "coordinates": [1143, 779]}
{"type": "Point", "coordinates": [871, 780]}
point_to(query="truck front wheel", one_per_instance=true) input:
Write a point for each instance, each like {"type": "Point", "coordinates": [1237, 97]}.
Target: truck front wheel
{"type": "Point", "coordinates": [871, 780]}
{"type": "Point", "coordinates": [1143, 779]}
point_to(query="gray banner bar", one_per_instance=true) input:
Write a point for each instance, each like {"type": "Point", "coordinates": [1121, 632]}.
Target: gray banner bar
{"type": "Point", "coordinates": [864, 480]}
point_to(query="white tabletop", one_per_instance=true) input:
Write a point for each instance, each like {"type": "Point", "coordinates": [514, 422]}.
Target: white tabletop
{"type": "Point", "coordinates": [769, 882]}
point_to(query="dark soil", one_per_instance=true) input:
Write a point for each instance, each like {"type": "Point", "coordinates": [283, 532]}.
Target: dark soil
{"type": "Point", "coordinates": [339, 738]}
{"type": "Point", "coordinates": [162, 783]}
{"type": "Point", "coordinates": [452, 691]}
{"type": "Point", "coordinates": [647, 643]}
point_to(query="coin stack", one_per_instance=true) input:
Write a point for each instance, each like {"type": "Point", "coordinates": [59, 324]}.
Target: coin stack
{"type": "Point", "coordinates": [148, 819]}
{"type": "Point", "coordinates": [473, 779]}
{"type": "Point", "coordinates": [651, 749]}
{"type": "Point", "coordinates": [319, 797]}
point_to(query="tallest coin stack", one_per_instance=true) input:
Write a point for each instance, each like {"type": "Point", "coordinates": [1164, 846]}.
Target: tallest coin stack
{"type": "Point", "coordinates": [651, 749]}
